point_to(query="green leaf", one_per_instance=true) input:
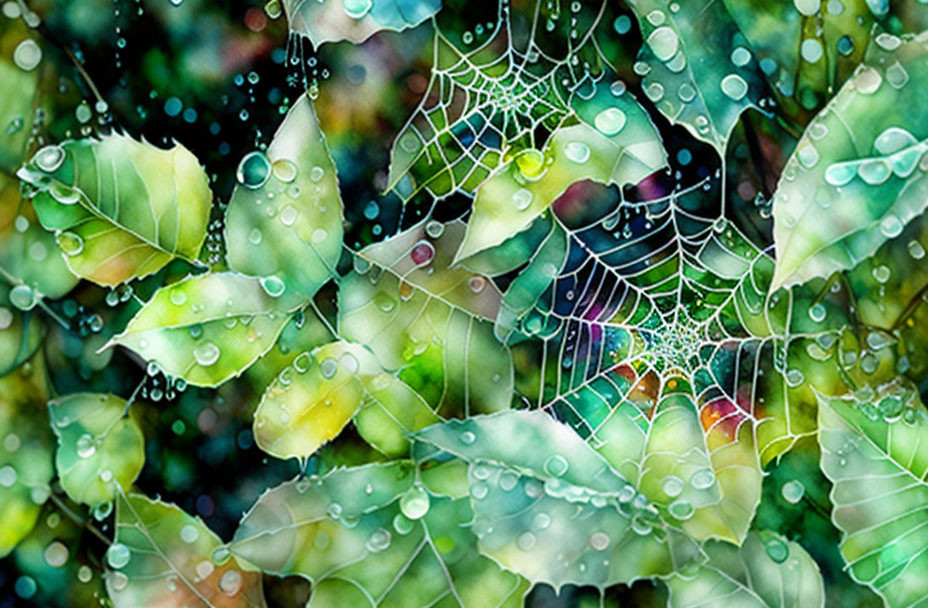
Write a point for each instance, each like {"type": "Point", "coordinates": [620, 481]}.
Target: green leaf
{"type": "Point", "coordinates": [768, 571]}
{"type": "Point", "coordinates": [365, 536]}
{"type": "Point", "coordinates": [805, 54]}
{"type": "Point", "coordinates": [549, 507]}
{"type": "Point", "coordinates": [285, 215]}
{"type": "Point", "coordinates": [210, 327]}
{"type": "Point", "coordinates": [355, 20]}
{"type": "Point", "coordinates": [615, 143]}
{"type": "Point", "coordinates": [20, 91]}
{"type": "Point", "coordinates": [25, 453]}
{"type": "Point", "coordinates": [688, 70]}
{"type": "Point", "coordinates": [164, 557]}
{"type": "Point", "coordinates": [878, 467]}
{"type": "Point", "coordinates": [100, 448]}
{"type": "Point", "coordinates": [120, 209]}
{"type": "Point", "coordinates": [313, 399]}
{"type": "Point", "coordinates": [428, 321]}
{"type": "Point", "coordinates": [698, 466]}
{"type": "Point", "coordinates": [855, 179]}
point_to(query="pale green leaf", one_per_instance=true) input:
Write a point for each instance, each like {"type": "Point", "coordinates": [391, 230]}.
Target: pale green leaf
{"type": "Point", "coordinates": [687, 67]}
{"type": "Point", "coordinates": [120, 209]}
{"type": "Point", "coordinates": [428, 321]}
{"type": "Point", "coordinates": [857, 176]}
{"type": "Point", "coordinates": [548, 506]}
{"type": "Point", "coordinates": [366, 536]}
{"type": "Point", "coordinates": [878, 467]}
{"type": "Point", "coordinates": [100, 447]}
{"type": "Point", "coordinates": [313, 399]}
{"type": "Point", "coordinates": [768, 571]}
{"type": "Point", "coordinates": [211, 327]}
{"type": "Point", "coordinates": [355, 20]}
{"type": "Point", "coordinates": [164, 557]}
{"type": "Point", "coordinates": [698, 466]}
{"type": "Point", "coordinates": [285, 215]}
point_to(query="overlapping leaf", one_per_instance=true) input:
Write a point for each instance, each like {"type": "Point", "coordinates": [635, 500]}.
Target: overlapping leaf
{"type": "Point", "coordinates": [857, 176]}
{"type": "Point", "coordinates": [547, 506]}
{"type": "Point", "coordinates": [429, 321]}
{"type": "Point", "coordinates": [355, 20]}
{"type": "Point", "coordinates": [211, 327]}
{"type": "Point", "coordinates": [120, 209]}
{"type": "Point", "coordinates": [361, 543]}
{"type": "Point", "coordinates": [164, 557]}
{"type": "Point", "coordinates": [100, 448]}
{"type": "Point", "coordinates": [285, 215]}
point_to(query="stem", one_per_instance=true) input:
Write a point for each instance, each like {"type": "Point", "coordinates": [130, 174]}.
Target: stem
{"type": "Point", "coordinates": [80, 521]}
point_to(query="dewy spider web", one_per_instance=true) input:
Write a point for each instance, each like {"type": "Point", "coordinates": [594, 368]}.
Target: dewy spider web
{"type": "Point", "coordinates": [656, 295]}
{"type": "Point", "coordinates": [481, 106]}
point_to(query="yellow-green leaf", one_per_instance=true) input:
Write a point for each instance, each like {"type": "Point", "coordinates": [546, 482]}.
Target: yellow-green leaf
{"type": "Point", "coordinates": [120, 209]}
{"type": "Point", "coordinates": [100, 447]}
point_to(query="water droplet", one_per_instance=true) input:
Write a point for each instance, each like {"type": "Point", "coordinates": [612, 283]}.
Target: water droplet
{"type": "Point", "coordinates": [817, 312]}
{"type": "Point", "coordinates": [807, 7]}
{"type": "Point", "coordinates": [204, 569]}
{"type": "Point", "coordinates": [793, 491]}
{"type": "Point", "coordinates": [118, 555]}
{"type": "Point", "coordinates": [599, 541]}
{"type": "Point", "coordinates": [577, 151]}
{"type": "Point", "coordinates": [681, 509]}
{"type": "Point", "coordinates": [415, 503]}
{"type": "Point", "coordinates": [23, 297]}
{"type": "Point", "coordinates": [522, 198]}
{"type": "Point", "coordinates": [734, 86]}
{"type": "Point", "coordinates": [874, 171]}
{"type": "Point", "coordinates": [254, 170]}
{"type": "Point", "coordinates": [740, 56]}
{"type": "Point", "coordinates": [610, 121]}
{"type": "Point", "coordinates": [891, 226]}
{"type": "Point", "coordinates": [84, 574]}
{"type": "Point", "coordinates": [288, 215]}
{"type": "Point", "coordinates": [402, 524]}
{"type": "Point", "coordinates": [916, 250]}
{"type": "Point", "coordinates": [892, 140]}
{"type": "Point", "coordinates": [230, 583]}
{"type": "Point", "coordinates": [531, 164]}
{"type": "Point", "coordinates": [49, 158]}
{"type": "Point", "coordinates": [356, 9]}
{"type": "Point", "coordinates": [664, 43]}
{"type": "Point", "coordinates": [329, 367]}
{"type": "Point", "coordinates": [189, 533]}
{"type": "Point", "coordinates": [27, 55]}
{"type": "Point", "coordinates": [434, 229]}
{"type": "Point", "coordinates": [422, 253]}
{"type": "Point", "coordinates": [526, 541]}
{"type": "Point", "coordinates": [702, 479]}
{"type": "Point", "coordinates": [285, 170]}
{"type": "Point", "coordinates": [56, 554]}
{"type": "Point", "coordinates": [811, 50]}
{"type": "Point", "coordinates": [206, 354]}
{"type": "Point", "coordinates": [777, 550]}
{"type": "Point", "coordinates": [839, 174]}
{"type": "Point", "coordinates": [85, 446]}
{"type": "Point", "coordinates": [881, 273]}
{"type": "Point", "coordinates": [672, 486]}
{"type": "Point", "coordinates": [556, 465]}
{"type": "Point", "coordinates": [272, 286]}
{"type": "Point", "coordinates": [468, 438]}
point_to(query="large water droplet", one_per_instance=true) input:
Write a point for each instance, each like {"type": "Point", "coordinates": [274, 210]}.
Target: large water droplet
{"type": "Point", "coordinates": [49, 158]}
{"type": "Point", "coordinates": [254, 170]}
{"type": "Point", "coordinates": [272, 286]}
{"type": "Point", "coordinates": [86, 447]}
{"type": "Point", "coordinates": [356, 9]}
{"type": "Point", "coordinates": [70, 243]}
{"type": "Point", "coordinates": [793, 491]}
{"type": "Point", "coordinates": [734, 86]}
{"type": "Point", "coordinates": [610, 121]}
{"type": "Point", "coordinates": [664, 43]}
{"type": "Point", "coordinates": [577, 151]}
{"type": "Point", "coordinates": [230, 583]}
{"type": "Point", "coordinates": [556, 465]}
{"type": "Point", "coordinates": [27, 55]}
{"type": "Point", "coordinates": [415, 503]}
{"type": "Point", "coordinates": [23, 297]}
{"type": "Point", "coordinates": [118, 555]}
{"type": "Point", "coordinates": [206, 354]}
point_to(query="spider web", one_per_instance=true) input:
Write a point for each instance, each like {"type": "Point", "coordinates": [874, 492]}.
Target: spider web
{"type": "Point", "coordinates": [482, 105]}
{"type": "Point", "coordinates": [653, 294]}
